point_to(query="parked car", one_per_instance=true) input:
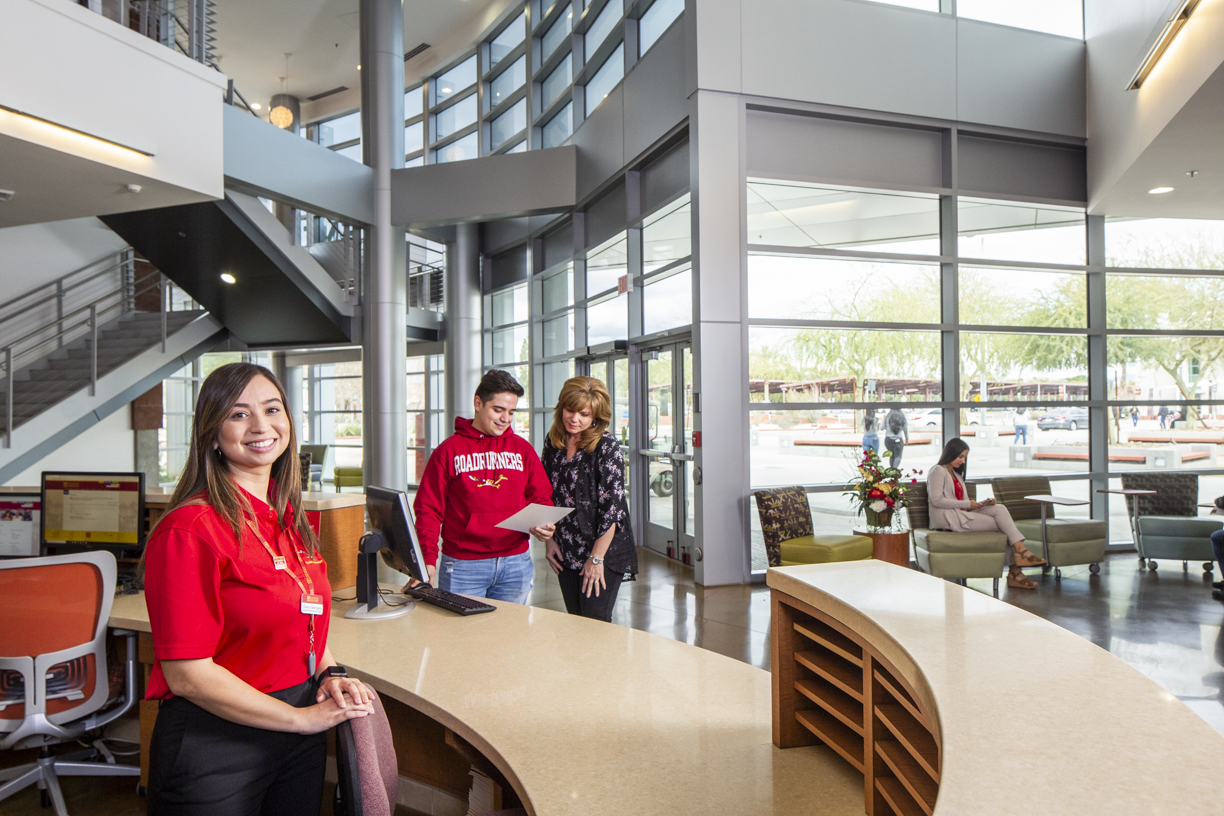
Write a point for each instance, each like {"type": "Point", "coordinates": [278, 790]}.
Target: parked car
{"type": "Point", "coordinates": [1066, 419]}
{"type": "Point", "coordinates": [928, 418]}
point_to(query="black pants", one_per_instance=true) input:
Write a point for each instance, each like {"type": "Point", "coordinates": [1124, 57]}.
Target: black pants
{"type": "Point", "coordinates": [576, 603]}
{"type": "Point", "coordinates": [203, 765]}
{"type": "Point", "coordinates": [895, 445]}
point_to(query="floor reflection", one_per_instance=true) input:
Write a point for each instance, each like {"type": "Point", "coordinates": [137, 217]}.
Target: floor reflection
{"type": "Point", "coordinates": [1165, 623]}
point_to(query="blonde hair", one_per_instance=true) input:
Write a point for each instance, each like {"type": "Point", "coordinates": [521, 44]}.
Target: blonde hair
{"type": "Point", "coordinates": [577, 394]}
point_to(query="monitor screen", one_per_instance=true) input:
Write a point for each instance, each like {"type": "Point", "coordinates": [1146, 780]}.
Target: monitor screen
{"type": "Point", "coordinates": [391, 517]}
{"type": "Point", "coordinates": [103, 510]}
{"type": "Point", "coordinates": [19, 525]}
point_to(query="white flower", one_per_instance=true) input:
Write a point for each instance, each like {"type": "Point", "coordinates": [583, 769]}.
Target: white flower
{"type": "Point", "coordinates": [878, 506]}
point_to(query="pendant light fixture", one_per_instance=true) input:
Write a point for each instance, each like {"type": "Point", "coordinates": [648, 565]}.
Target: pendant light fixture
{"type": "Point", "coordinates": [286, 109]}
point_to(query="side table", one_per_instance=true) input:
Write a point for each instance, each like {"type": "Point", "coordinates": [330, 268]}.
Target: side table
{"type": "Point", "coordinates": [893, 547]}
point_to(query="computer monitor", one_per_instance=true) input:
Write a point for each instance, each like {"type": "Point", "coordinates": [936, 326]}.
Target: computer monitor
{"type": "Point", "coordinates": [20, 533]}
{"type": "Point", "coordinates": [82, 510]}
{"type": "Point", "coordinates": [393, 537]}
{"type": "Point", "coordinates": [391, 517]}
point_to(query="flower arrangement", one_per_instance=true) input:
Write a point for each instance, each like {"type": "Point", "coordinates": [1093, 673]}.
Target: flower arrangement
{"type": "Point", "coordinates": [878, 490]}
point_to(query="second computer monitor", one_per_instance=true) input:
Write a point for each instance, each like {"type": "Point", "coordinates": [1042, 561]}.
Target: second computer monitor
{"type": "Point", "coordinates": [391, 518]}
{"type": "Point", "coordinates": [92, 510]}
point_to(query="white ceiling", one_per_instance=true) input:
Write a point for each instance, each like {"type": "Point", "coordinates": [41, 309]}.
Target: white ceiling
{"type": "Point", "coordinates": [253, 37]}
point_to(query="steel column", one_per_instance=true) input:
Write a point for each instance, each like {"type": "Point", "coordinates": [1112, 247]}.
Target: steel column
{"type": "Point", "coordinates": [463, 310]}
{"type": "Point", "coordinates": [384, 306]}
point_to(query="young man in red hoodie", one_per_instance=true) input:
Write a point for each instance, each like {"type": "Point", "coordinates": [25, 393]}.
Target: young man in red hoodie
{"type": "Point", "coordinates": [476, 478]}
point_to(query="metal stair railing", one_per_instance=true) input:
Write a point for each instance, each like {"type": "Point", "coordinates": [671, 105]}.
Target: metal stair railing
{"type": "Point", "coordinates": [79, 322]}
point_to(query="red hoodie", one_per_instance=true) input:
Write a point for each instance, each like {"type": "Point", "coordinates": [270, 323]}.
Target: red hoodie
{"type": "Point", "coordinates": [472, 482]}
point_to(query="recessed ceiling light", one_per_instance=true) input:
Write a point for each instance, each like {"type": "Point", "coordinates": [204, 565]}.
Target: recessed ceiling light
{"type": "Point", "coordinates": [256, 106]}
{"type": "Point", "coordinates": [446, 90]}
{"type": "Point", "coordinates": [228, 278]}
{"type": "Point", "coordinates": [1160, 190]}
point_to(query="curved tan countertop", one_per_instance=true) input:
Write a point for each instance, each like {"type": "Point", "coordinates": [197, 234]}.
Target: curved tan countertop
{"type": "Point", "coordinates": [588, 717]}
{"type": "Point", "coordinates": [1033, 718]}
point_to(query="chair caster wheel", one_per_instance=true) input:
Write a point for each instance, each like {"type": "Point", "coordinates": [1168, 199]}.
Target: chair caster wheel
{"type": "Point", "coordinates": [1045, 568]}
{"type": "Point", "coordinates": [141, 790]}
{"type": "Point", "coordinates": [1057, 574]}
{"type": "Point", "coordinates": [1151, 564]}
{"type": "Point", "coordinates": [1208, 566]}
{"type": "Point", "coordinates": [1095, 569]}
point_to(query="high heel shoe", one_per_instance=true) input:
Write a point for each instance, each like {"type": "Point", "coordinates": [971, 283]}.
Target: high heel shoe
{"type": "Point", "coordinates": [1026, 558]}
{"type": "Point", "coordinates": [1020, 581]}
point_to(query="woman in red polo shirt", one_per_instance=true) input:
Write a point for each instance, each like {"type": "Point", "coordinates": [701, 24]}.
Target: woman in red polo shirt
{"type": "Point", "coordinates": [239, 603]}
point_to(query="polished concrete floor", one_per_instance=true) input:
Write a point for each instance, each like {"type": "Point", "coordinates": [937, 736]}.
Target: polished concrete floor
{"type": "Point", "coordinates": [1163, 623]}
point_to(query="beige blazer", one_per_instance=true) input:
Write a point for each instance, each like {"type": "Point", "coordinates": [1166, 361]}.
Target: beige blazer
{"type": "Point", "coordinates": [947, 512]}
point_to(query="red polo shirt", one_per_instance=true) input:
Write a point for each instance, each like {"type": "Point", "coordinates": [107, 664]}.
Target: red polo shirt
{"type": "Point", "coordinates": [208, 597]}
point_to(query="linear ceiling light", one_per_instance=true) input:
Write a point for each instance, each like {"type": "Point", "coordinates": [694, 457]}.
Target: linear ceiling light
{"type": "Point", "coordinates": [1181, 11]}
{"type": "Point", "coordinates": [75, 131]}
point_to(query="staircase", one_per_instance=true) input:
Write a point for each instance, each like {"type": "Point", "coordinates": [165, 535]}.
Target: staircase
{"type": "Point", "coordinates": [68, 370]}
{"type": "Point", "coordinates": [81, 347]}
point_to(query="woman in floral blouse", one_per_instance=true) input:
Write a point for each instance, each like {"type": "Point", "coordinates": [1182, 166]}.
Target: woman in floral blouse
{"type": "Point", "coordinates": [592, 548]}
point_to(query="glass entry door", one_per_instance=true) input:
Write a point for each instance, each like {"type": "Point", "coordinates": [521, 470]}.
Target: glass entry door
{"type": "Point", "coordinates": [666, 461]}
{"type": "Point", "coordinates": [613, 370]}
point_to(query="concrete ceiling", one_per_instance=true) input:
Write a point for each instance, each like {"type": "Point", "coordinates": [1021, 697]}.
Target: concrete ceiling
{"type": "Point", "coordinates": [1192, 140]}
{"type": "Point", "coordinates": [253, 37]}
{"type": "Point", "coordinates": [53, 185]}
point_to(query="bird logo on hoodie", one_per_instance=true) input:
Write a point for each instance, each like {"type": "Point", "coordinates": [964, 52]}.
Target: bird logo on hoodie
{"type": "Point", "coordinates": [493, 483]}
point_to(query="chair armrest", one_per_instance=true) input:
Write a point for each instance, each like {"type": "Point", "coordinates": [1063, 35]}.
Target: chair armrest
{"type": "Point", "coordinates": [101, 718]}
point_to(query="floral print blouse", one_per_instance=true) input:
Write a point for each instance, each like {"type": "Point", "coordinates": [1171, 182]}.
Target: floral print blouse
{"type": "Point", "coordinates": [594, 485]}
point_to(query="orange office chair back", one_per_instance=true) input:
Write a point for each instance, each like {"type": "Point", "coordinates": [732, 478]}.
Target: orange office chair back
{"type": "Point", "coordinates": [52, 641]}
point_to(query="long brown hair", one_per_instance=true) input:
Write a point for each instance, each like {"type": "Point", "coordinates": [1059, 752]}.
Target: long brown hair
{"type": "Point", "coordinates": [206, 471]}
{"type": "Point", "coordinates": [579, 393]}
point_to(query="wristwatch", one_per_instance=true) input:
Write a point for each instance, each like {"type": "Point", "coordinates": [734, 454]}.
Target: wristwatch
{"type": "Point", "coordinates": [596, 560]}
{"type": "Point", "coordinates": [334, 671]}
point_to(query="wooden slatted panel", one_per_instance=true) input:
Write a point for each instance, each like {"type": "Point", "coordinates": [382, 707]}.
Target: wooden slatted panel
{"type": "Point", "coordinates": [833, 734]}
{"type": "Point", "coordinates": [833, 700]}
{"type": "Point", "coordinates": [832, 640]}
{"type": "Point", "coordinates": [913, 778]}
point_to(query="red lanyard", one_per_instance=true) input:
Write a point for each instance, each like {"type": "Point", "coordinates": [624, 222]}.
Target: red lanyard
{"type": "Point", "coordinates": [308, 594]}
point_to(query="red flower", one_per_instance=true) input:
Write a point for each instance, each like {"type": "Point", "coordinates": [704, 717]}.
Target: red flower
{"type": "Point", "coordinates": [889, 502]}
{"type": "Point", "coordinates": [913, 481]}
{"type": "Point", "coordinates": [876, 493]}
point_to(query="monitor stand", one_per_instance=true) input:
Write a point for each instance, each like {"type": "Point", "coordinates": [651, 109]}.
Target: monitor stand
{"type": "Point", "coordinates": [368, 605]}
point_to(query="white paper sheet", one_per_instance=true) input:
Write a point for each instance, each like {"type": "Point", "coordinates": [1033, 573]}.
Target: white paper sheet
{"type": "Point", "coordinates": [535, 515]}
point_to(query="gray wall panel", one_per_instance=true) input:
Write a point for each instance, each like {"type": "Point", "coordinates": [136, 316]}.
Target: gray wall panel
{"type": "Point", "coordinates": [506, 268]}
{"type": "Point", "coordinates": [664, 178]}
{"type": "Point", "coordinates": [1014, 168]}
{"type": "Point", "coordinates": [607, 216]}
{"type": "Point", "coordinates": [654, 93]}
{"type": "Point", "coordinates": [496, 235]}
{"type": "Point", "coordinates": [806, 147]}
{"type": "Point", "coordinates": [265, 160]}
{"type": "Point", "coordinates": [559, 244]}
{"type": "Point", "coordinates": [859, 55]}
{"type": "Point", "coordinates": [715, 65]}
{"type": "Point", "coordinates": [482, 189]}
{"type": "Point", "coordinates": [600, 141]}
{"type": "Point", "coordinates": [1009, 77]}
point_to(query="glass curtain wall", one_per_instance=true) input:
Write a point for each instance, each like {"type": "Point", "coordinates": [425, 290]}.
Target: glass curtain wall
{"type": "Point", "coordinates": [850, 322]}
{"type": "Point", "coordinates": [1062, 17]}
{"type": "Point", "coordinates": [506, 344]}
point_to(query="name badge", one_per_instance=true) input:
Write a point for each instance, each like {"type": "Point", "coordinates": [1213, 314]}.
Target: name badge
{"type": "Point", "coordinates": [279, 562]}
{"type": "Point", "coordinates": [312, 604]}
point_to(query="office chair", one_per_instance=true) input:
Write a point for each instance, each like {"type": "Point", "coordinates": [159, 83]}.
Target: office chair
{"type": "Point", "coordinates": [53, 674]}
{"type": "Point", "coordinates": [365, 763]}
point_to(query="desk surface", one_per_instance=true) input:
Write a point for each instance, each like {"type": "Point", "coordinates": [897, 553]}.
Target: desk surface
{"type": "Point", "coordinates": [1033, 719]}
{"type": "Point", "coordinates": [588, 717]}
{"type": "Point", "coordinates": [159, 497]}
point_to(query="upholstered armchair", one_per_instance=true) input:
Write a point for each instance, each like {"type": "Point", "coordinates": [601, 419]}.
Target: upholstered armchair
{"type": "Point", "coordinates": [1168, 524]}
{"type": "Point", "coordinates": [1062, 542]}
{"type": "Point", "coordinates": [786, 525]}
{"type": "Point", "coordinates": [954, 556]}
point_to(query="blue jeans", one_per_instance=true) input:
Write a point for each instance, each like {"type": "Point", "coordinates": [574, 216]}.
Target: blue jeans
{"type": "Point", "coordinates": [871, 442]}
{"type": "Point", "coordinates": [502, 579]}
{"type": "Point", "coordinates": [1021, 435]}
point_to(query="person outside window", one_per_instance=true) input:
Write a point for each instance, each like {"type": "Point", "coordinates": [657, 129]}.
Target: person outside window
{"type": "Point", "coordinates": [1163, 416]}
{"type": "Point", "coordinates": [896, 435]}
{"type": "Point", "coordinates": [592, 548]}
{"type": "Point", "coordinates": [477, 478]}
{"type": "Point", "coordinates": [952, 509]}
{"type": "Point", "coordinates": [871, 439]}
{"type": "Point", "coordinates": [1134, 415]}
{"type": "Point", "coordinates": [239, 605]}
{"type": "Point", "coordinates": [1020, 422]}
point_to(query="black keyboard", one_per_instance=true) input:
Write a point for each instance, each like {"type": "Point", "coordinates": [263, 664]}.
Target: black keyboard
{"type": "Point", "coordinates": [460, 604]}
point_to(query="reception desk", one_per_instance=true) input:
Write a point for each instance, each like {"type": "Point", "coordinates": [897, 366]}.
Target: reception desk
{"type": "Point", "coordinates": [581, 716]}
{"type": "Point", "coordinates": [966, 705]}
